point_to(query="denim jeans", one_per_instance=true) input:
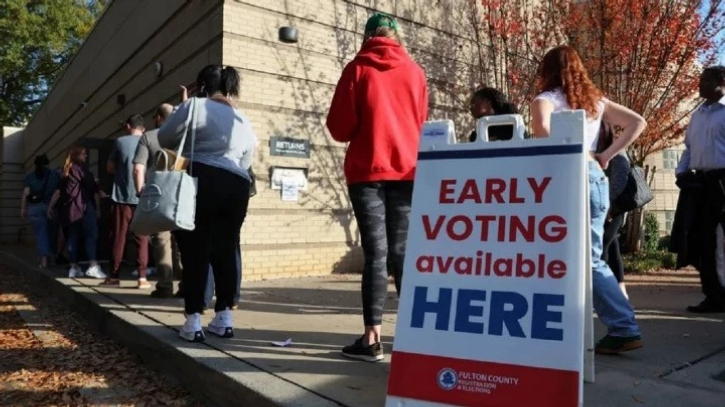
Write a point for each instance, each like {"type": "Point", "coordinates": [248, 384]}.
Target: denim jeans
{"type": "Point", "coordinates": [38, 215]}
{"type": "Point", "coordinates": [88, 225]}
{"type": "Point", "coordinates": [610, 303]}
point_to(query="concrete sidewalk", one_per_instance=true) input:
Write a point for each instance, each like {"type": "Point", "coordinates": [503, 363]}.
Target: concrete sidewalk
{"type": "Point", "coordinates": [682, 353]}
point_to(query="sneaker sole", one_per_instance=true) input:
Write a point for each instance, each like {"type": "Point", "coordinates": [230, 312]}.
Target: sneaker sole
{"type": "Point", "coordinates": [626, 348]}
{"type": "Point", "coordinates": [224, 333]}
{"type": "Point", "coordinates": [364, 358]}
{"type": "Point", "coordinates": [192, 336]}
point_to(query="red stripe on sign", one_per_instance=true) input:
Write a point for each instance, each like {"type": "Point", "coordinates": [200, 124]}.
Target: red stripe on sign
{"type": "Point", "coordinates": [463, 382]}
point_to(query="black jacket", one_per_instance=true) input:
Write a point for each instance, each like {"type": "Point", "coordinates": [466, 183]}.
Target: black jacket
{"type": "Point", "coordinates": [684, 239]}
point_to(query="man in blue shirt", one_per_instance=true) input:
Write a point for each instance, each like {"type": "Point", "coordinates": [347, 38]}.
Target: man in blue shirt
{"type": "Point", "coordinates": [704, 158]}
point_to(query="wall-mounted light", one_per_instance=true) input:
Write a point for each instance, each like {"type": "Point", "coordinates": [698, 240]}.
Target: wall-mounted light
{"type": "Point", "coordinates": [288, 35]}
{"type": "Point", "coordinates": [158, 69]}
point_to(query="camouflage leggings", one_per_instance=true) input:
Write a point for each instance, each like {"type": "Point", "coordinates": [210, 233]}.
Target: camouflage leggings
{"type": "Point", "coordinates": [381, 210]}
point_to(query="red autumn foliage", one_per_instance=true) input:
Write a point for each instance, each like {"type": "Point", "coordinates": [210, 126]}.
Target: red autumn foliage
{"type": "Point", "coordinates": [645, 54]}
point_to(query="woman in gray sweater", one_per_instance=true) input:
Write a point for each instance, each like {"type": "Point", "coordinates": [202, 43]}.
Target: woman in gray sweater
{"type": "Point", "coordinates": [220, 160]}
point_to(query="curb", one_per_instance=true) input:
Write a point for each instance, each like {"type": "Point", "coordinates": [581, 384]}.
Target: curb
{"type": "Point", "coordinates": [211, 375]}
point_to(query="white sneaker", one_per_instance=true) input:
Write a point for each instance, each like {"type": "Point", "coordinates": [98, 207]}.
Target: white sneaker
{"type": "Point", "coordinates": [95, 272]}
{"type": "Point", "coordinates": [75, 272]}
{"type": "Point", "coordinates": [222, 325]}
{"type": "Point", "coordinates": [191, 331]}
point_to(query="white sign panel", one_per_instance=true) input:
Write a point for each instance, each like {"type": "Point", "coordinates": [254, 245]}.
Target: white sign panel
{"type": "Point", "coordinates": [492, 305]}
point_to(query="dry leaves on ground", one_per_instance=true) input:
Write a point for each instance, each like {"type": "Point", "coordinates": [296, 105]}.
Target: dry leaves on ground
{"type": "Point", "coordinates": [68, 365]}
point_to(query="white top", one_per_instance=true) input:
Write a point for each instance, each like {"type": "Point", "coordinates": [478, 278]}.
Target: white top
{"type": "Point", "coordinates": [591, 135]}
{"type": "Point", "coordinates": [224, 136]}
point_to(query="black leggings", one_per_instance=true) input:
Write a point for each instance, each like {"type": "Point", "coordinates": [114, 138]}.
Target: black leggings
{"type": "Point", "coordinates": [221, 206]}
{"type": "Point", "coordinates": [610, 249]}
{"type": "Point", "coordinates": [382, 210]}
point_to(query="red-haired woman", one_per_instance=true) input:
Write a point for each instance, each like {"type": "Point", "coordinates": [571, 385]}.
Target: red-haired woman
{"type": "Point", "coordinates": [564, 84]}
{"type": "Point", "coordinates": [77, 198]}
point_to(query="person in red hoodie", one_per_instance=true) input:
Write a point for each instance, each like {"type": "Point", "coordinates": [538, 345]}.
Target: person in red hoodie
{"type": "Point", "coordinates": [379, 107]}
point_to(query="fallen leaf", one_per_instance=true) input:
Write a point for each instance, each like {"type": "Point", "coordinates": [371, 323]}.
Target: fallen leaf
{"type": "Point", "coordinates": [635, 398]}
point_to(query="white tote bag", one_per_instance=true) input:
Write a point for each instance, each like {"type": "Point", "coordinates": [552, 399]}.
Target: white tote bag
{"type": "Point", "coordinates": [168, 201]}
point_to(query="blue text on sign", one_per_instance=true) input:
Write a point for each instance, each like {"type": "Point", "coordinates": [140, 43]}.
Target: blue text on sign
{"type": "Point", "coordinates": [506, 308]}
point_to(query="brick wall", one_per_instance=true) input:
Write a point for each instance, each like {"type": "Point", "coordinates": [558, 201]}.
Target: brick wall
{"type": "Point", "coordinates": [286, 91]}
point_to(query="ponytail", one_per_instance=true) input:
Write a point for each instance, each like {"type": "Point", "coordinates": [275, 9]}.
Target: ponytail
{"type": "Point", "coordinates": [230, 81]}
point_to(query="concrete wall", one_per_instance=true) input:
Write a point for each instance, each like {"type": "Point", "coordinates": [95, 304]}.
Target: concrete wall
{"type": "Point", "coordinates": [13, 229]}
{"type": "Point", "coordinates": [117, 59]}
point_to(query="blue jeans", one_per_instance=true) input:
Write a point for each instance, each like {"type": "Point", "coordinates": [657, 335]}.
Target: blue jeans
{"type": "Point", "coordinates": [88, 226]}
{"type": "Point", "coordinates": [38, 215]}
{"type": "Point", "coordinates": [610, 303]}
{"type": "Point", "coordinates": [209, 289]}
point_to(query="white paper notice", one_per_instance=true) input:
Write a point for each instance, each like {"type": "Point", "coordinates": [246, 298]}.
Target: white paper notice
{"type": "Point", "coordinates": [290, 190]}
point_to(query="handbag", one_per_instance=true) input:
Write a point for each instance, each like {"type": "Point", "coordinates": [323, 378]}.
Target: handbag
{"type": "Point", "coordinates": [168, 201]}
{"type": "Point", "coordinates": [636, 193]}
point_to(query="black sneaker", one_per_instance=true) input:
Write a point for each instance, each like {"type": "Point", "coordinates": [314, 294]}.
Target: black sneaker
{"type": "Point", "coordinates": [367, 353]}
{"type": "Point", "coordinates": [611, 345]}
{"type": "Point", "coordinates": [162, 293]}
{"type": "Point", "coordinates": [706, 307]}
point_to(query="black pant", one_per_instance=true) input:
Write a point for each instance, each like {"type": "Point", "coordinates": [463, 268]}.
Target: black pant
{"type": "Point", "coordinates": [382, 210]}
{"type": "Point", "coordinates": [610, 250]}
{"type": "Point", "coordinates": [709, 216]}
{"type": "Point", "coordinates": [221, 206]}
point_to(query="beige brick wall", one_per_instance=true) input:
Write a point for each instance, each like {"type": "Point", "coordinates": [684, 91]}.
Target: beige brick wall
{"type": "Point", "coordinates": [286, 91]}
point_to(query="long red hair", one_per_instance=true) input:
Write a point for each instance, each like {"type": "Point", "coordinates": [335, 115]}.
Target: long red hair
{"type": "Point", "coordinates": [562, 67]}
{"type": "Point", "coordinates": [72, 158]}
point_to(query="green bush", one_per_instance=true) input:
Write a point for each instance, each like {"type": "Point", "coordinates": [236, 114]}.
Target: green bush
{"type": "Point", "coordinates": [644, 261]}
{"type": "Point", "coordinates": [651, 232]}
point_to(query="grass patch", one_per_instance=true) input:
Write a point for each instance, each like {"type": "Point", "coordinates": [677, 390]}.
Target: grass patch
{"type": "Point", "coordinates": [645, 261]}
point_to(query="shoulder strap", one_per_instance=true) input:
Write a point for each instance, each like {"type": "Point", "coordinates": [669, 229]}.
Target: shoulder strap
{"type": "Point", "coordinates": [190, 127]}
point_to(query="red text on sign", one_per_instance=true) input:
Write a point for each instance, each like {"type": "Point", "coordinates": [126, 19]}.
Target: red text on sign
{"type": "Point", "coordinates": [502, 228]}
{"type": "Point", "coordinates": [492, 190]}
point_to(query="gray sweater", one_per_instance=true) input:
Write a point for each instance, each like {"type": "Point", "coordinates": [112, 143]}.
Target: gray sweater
{"type": "Point", "coordinates": [224, 136]}
{"type": "Point", "coordinates": [618, 173]}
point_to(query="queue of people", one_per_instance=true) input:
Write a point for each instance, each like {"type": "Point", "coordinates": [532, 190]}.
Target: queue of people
{"type": "Point", "coordinates": [378, 108]}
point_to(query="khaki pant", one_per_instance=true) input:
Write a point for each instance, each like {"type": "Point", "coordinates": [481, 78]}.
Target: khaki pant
{"type": "Point", "coordinates": [168, 260]}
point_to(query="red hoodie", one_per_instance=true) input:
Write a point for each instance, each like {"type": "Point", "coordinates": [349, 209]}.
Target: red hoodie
{"type": "Point", "coordinates": [380, 104]}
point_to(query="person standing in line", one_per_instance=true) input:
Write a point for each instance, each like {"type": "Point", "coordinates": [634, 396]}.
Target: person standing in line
{"type": "Point", "coordinates": [223, 151]}
{"type": "Point", "coordinates": [491, 102]}
{"type": "Point", "coordinates": [209, 288]}
{"type": "Point", "coordinates": [120, 163]}
{"type": "Point", "coordinates": [37, 193]}
{"type": "Point", "coordinates": [379, 107]}
{"type": "Point", "coordinates": [168, 262]}
{"type": "Point", "coordinates": [564, 84]}
{"type": "Point", "coordinates": [618, 175]}
{"type": "Point", "coordinates": [78, 199]}
{"type": "Point", "coordinates": [703, 161]}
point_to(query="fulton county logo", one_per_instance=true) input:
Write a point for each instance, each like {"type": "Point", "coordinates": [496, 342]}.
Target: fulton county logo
{"type": "Point", "coordinates": [447, 379]}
